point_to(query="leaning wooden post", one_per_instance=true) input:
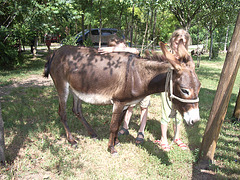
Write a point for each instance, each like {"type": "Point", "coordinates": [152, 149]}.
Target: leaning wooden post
{"type": "Point", "coordinates": [222, 97]}
{"type": "Point", "coordinates": [236, 113]}
{"type": "Point", "coordinates": [2, 144]}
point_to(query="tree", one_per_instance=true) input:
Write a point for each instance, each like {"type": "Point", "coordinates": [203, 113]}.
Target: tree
{"type": "Point", "coordinates": [2, 143]}
{"type": "Point", "coordinates": [215, 14]}
{"type": "Point", "coordinates": [236, 113]}
{"type": "Point", "coordinates": [146, 32]}
{"type": "Point", "coordinates": [11, 16]}
{"type": "Point", "coordinates": [185, 11]}
{"type": "Point", "coordinates": [222, 97]}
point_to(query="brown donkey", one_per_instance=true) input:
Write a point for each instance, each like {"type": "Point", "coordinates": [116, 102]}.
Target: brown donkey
{"type": "Point", "coordinates": [121, 79]}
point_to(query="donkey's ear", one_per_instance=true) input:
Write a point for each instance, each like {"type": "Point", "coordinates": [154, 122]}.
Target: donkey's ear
{"type": "Point", "coordinates": [170, 57]}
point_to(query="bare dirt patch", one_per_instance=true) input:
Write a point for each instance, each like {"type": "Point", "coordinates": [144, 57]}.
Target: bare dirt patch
{"type": "Point", "coordinates": [32, 81]}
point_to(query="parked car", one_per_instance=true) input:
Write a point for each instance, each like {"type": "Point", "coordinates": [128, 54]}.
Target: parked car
{"type": "Point", "coordinates": [107, 34]}
{"type": "Point", "coordinates": [52, 37]}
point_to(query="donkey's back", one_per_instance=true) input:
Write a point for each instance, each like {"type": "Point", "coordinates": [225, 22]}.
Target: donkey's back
{"type": "Point", "coordinates": [95, 78]}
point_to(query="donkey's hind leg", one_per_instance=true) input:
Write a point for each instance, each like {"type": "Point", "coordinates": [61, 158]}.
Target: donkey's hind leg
{"type": "Point", "coordinates": [63, 96]}
{"type": "Point", "coordinates": [77, 110]}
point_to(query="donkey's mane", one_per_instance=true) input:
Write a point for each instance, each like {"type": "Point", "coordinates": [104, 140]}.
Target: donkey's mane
{"type": "Point", "coordinates": [154, 56]}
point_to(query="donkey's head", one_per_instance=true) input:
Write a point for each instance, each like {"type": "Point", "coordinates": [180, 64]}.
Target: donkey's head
{"type": "Point", "coordinates": [183, 82]}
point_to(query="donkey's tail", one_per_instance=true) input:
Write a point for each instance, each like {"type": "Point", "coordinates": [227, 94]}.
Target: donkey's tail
{"type": "Point", "coordinates": [48, 65]}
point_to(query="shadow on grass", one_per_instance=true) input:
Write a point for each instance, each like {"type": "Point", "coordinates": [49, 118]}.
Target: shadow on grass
{"type": "Point", "coordinates": [154, 127]}
{"type": "Point", "coordinates": [26, 111]}
{"type": "Point", "coordinates": [195, 135]}
{"type": "Point", "coordinates": [31, 65]}
{"type": "Point", "coordinates": [32, 110]}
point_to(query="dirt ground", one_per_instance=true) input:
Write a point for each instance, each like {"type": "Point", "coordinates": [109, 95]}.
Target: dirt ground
{"type": "Point", "coordinates": [32, 81]}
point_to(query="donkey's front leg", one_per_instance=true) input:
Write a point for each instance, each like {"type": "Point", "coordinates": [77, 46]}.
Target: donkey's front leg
{"type": "Point", "coordinates": [119, 124]}
{"type": "Point", "coordinates": [114, 126]}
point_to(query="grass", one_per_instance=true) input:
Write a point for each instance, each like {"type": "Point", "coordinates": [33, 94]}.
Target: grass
{"type": "Point", "coordinates": [36, 146]}
{"type": "Point", "coordinates": [33, 65]}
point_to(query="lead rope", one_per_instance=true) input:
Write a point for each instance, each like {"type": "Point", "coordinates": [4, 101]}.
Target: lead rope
{"type": "Point", "coordinates": [168, 85]}
{"type": "Point", "coordinates": [173, 111]}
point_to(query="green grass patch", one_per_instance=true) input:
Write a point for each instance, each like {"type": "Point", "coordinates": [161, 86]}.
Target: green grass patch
{"type": "Point", "coordinates": [36, 145]}
{"type": "Point", "coordinates": [32, 65]}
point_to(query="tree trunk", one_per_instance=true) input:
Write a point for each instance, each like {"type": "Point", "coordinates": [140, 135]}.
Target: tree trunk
{"type": "Point", "coordinates": [188, 26]}
{"type": "Point", "coordinates": [136, 35]}
{"type": "Point", "coordinates": [100, 24]}
{"type": "Point", "coordinates": [211, 45]}
{"type": "Point", "coordinates": [35, 45]}
{"type": "Point", "coordinates": [131, 35]}
{"type": "Point", "coordinates": [222, 97]}
{"type": "Point", "coordinates": [2, 143]}
{"type": "Point", "coordinates": [149, 34]}
{"type": "Point", "coordinates": [90, 24]}
{"type": "Point", "coordinates": [226, 40]}
{"type": "Point", "coordinates": [83, 28]}
{"type": "Point", "coordinates": [145, 34]}
{"type": "Point", "coordinates": [154, 27]}
{"type": "Point", "coordinates": [76, 26]}
{"type": "Point", "coordinates": [236, 113]}
{"type": "Point", "coordinates": [90, 31]}
{"type": "Point", "coordinates": [206, 46]}
{"type": "Point", "coordinates": [198, 52]}
{"type": "Point", "coordinates": [120, 17]}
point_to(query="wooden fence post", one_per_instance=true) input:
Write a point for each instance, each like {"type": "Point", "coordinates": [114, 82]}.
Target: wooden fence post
{"type": "Point", "coordinates": [222, 97]}
{"type": "Point", "coordinates": [2, 143]}
{"type": "Point", "coordinates": [236, 113]}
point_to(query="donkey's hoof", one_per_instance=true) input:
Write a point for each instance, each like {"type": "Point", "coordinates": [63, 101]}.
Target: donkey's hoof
{"type": "Point", "coordinates": [115, 154]}
{"type": "Point", "coordinates": [75, 146]}
{"type": "Point", "coordinates": [72, 142]}
{"type": "Point", "coordinates": [118, 144]}
{"type": "Point", "coordinates": [94, 137]}
{"type": "Point", "coordinates": [112, 151]}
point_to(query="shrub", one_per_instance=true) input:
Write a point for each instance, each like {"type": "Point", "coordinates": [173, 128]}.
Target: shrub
{"type": "Point", "coordinates": [69, 40]}
{"type": "Point", "coordinates": [215, 51]}
{"type": "Point", "coordinates": [88, 43]}
{"type": "Point", "coordinates": [9, 56]}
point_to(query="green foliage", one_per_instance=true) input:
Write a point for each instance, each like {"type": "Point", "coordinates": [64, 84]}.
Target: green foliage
{"type": "Point", "coordinates": [9, 57]}
{"type": "Point", "coordinates": [198, 34]}
{"type": "Point", "coordinates": [69, 40]}
{"type": "Point", "coordinates": [9, 51]}
{"type": "Point", "coordinates": [88, 43]}
{"type": "Point", "coordinates": [185, 11]}
{"type": "Point", "coordinates": [168, 24]}
{"type": "Point", "coordinates": [25, 20]}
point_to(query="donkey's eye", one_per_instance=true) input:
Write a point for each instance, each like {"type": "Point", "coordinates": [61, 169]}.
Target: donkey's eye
{"type": "Point", "coordinates": [185, 91]}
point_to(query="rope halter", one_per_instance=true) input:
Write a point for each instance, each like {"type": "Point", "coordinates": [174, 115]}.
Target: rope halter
{"type": "Point", "coordinates": [170, 84]}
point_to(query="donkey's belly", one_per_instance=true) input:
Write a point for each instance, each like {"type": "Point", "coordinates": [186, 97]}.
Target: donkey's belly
{"type": "Point", "coordinates": [93, 98]}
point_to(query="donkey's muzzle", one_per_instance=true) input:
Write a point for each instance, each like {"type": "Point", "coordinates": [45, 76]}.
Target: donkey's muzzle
{"type": "Point", "coordinates": [191, 116]}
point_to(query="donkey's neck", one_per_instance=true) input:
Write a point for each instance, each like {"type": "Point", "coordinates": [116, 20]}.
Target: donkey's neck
{"type": "Point", "coordinates": [154, 75]}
